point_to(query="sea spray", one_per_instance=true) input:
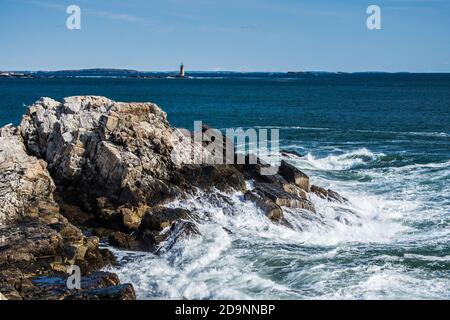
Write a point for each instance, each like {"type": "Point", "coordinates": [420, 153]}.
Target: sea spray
{"type": "Point", "coordinates": [344, 251]}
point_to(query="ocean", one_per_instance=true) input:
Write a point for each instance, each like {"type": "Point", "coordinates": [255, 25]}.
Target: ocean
{"type": "Point", "coordinates": [381, 140]}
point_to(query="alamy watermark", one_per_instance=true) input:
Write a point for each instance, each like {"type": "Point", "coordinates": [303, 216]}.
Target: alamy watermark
{"type": "Point", "coordinates": [237, 146]}
{"type": "Point", "coordinates": [374, 20]}
{"type": "Point", "coordinates": [73, 21]}
{"type": "Point", "coordinates": [74, 279]}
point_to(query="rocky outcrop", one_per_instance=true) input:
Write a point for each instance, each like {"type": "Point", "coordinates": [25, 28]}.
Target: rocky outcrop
{"type": "Point", "coordinates": [35, 239]}
{"type": "Point", "coordinates": [109, 168]}
{"type": "Point", "coordinates": [114, 159]}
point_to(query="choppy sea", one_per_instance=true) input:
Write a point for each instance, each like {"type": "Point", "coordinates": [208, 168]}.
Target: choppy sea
{"type": "Point", "coordinates": [382, 141]}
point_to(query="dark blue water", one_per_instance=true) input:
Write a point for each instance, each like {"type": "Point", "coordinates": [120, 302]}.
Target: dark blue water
{"type": "Point", "coordinates": [381, 140]}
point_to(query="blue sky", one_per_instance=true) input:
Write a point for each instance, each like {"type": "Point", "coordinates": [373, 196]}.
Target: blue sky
{"type": "Point", "coordinates": [239, 35]}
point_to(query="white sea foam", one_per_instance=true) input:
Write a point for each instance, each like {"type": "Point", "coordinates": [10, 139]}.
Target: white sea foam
{"type": "Point", "coordinates": [242, 255]}
{"type": "Point", "coordinates": [215, 264]}
{"type": "Point", "coordinates": [343, 161]}
{"type": "Point", "coordinates": [387, 282]}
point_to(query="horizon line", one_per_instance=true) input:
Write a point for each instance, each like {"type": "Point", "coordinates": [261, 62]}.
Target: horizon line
{"type": "Point", "coordinates": [217, 71]}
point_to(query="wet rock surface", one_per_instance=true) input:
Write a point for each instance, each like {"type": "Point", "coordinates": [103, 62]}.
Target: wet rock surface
{"type": "Point", "coordinates": [270, 208]}
{"type": "Point", "coordinates": [328, 194]}
{"type": "Point", "coordinates": [282, 197]}
{"type": "Point", "coordinates": [294, 175]}
{"type": "Point", "coordinates": [96, 286]}
{"type": "Point", "coordinates": [88, 168]}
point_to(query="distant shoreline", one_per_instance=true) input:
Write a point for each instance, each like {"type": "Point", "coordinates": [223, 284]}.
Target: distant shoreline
{"type": "Point", "coordinates": [135, 74]}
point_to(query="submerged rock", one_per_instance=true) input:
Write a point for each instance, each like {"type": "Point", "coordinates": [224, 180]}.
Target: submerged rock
{"type": "Point", "coordinates": [291, 154]}
{"type": "Point", "coordinates": [179, 230]}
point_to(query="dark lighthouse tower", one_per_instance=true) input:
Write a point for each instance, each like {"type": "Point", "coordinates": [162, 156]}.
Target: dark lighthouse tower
{"type": "Point", "coordinates": [182, 70]}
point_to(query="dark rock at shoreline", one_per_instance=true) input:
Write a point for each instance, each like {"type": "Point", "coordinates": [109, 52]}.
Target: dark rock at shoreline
{"type": "Point", "coordinates": [160, 223]}
{"type": "Point", "coordinates": [270, 208]}
{"type": "Point", "coordinates": [294, 175]}
{"type": "Point", "coordinates": [328, 194]}
{"type": "Point", "coordinates": [222, 177]}
{"type": "Point", "coordinates": [160, 218]}
{"type": "Point", "coordinates": [122, 240]}
{"type": "Point", "coordinates": [96, 286]}
{"type": "Point", "coordinates": [179, 230]}
{"type": "Point", "coordinates": [283, 198]}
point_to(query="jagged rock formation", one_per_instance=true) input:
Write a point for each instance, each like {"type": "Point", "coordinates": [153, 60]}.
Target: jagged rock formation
{"type": "Point", "coordinates": [112, 158]}
{"type": "Point", "coordinates": [35, 239]}
{"type": "Point", "coordinates": [109, 168]}
{"type": "Point", "coordinates": [26, 187]}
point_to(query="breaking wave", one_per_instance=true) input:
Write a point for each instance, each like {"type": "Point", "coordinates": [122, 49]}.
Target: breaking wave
{"type": "Point", "coordinates": [380, 245]}
{"type": "Point", "coordinates": [344, 161]}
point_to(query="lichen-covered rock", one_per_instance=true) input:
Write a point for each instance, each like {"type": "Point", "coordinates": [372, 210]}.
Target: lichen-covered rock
{"type": "Point", "coordinates": [102, 148]}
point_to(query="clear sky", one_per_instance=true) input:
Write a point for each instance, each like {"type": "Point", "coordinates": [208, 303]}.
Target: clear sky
{"type": "Point", "coordinates": [238, 35]}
